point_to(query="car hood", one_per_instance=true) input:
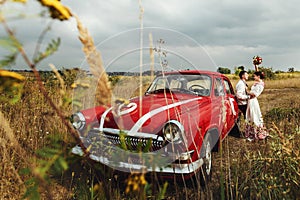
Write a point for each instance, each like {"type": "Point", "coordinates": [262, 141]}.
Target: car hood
{"type": "Point", "coordinates": [149, 113]}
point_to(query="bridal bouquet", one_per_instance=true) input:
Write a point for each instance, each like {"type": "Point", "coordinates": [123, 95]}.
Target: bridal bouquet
{"type": "Point", "coordinates": [257, 60]}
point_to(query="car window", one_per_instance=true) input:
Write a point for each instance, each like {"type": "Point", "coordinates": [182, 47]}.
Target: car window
{"type": "Point", "coordinates": [204, 83]}
{"type": "Point", "coordinates": [228, 88]}
{"type": "Point", "coordinates": [218, 89]}
{"type": "Point", "coordinates": [175, 83]}
{"type": "Point", "coordinates": [160, 83]}
{"type": "Point", "coordinates": [198, 84]}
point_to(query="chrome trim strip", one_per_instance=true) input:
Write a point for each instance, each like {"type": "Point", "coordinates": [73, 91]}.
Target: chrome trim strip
{"type": "Point", "coordinates": [137, 134]}
{"type": "Point", "coordinates": [174, 168]}
{"type": "Point", "coordinates": [81, 118]}
{"type": "Point", "coordinates": [185, 155]}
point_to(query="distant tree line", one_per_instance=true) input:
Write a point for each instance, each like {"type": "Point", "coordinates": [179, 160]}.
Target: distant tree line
{"type": "Point", "coordinates": [224, 70]}
{"type": "Point", "coordinates": [268, 71]}
{"type": "Point", "coordinates": [70, 74]}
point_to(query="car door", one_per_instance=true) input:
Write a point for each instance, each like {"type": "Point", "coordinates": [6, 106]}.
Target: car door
{"type": "Point", "coordinates": [230, 104]}
{"type": "Point", "coordinates": [218, 106]}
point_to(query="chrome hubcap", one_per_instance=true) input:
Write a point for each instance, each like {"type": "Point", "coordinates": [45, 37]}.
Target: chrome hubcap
{"type": "Point", "coordinates": [207, 158]}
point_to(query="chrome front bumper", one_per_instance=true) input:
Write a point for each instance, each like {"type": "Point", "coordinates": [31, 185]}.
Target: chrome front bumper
{"type": "Point", "coordinates": [174, 168]}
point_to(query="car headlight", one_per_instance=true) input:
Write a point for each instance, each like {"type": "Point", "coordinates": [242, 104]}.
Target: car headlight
{"type": "Point", "coordinates": [78, 121]}
{"type": "Point", "coordinates": [173, 131]}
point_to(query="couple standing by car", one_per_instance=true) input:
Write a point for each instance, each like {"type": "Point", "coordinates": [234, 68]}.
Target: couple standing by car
{"type": "Point", "coordinates": [249, 106]}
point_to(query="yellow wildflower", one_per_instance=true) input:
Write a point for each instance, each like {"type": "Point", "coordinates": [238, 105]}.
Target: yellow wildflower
{"type": "Point", "coordinates": [57, 9]}
{"type": "Point", "coordinates": [143, 180]}
{"type": "Point", "coordinates": [135, 182]}
{"type": "Point", "coordinates": [96, 187]}
{"type": "Point", "coordinates": [89, 148]}
{"type": "Point", "coordinates": [74, 85]}
{"type": "Point", "coordinates": [14, 75]}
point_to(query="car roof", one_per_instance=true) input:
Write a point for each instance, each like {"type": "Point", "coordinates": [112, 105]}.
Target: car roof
{"type": "Point", "coordinates": [193, 72]}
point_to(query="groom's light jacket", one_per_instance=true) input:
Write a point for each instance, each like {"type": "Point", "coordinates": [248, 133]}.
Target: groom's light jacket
{"type": "Point", "coordinates": [241, 92]}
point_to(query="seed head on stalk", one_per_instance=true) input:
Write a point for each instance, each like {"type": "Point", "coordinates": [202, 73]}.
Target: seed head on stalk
{"type": "Point", "coordinates": [103, 93]}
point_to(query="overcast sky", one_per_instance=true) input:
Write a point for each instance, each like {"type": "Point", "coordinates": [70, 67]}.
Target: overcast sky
{"type": "Point", "coordinates": [202, 34]}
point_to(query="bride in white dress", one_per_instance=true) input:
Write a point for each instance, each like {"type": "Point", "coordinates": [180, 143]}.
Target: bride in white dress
{"type": "Point", "coordinates": [254, 122]}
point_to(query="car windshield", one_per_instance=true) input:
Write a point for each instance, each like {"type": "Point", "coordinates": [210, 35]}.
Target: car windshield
{"type": "Point", "coordinates": [197, 84]}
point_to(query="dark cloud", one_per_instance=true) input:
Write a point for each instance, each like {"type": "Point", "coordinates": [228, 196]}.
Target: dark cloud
{"type": "Point", "coordinates": [231, 31]}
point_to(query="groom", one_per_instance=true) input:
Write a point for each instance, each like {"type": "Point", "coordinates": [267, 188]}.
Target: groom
{"type": "Point", "coordinates": [241, 92]}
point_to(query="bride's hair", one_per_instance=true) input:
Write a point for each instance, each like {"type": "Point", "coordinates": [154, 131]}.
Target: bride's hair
{"type": "Point", "coordinates": [260, 74]}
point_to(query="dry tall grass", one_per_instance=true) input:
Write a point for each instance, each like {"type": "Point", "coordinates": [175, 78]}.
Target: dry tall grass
{"type": "Point", "coordinates": [31, 121]}
{"type": "Point", "coordinates": [24, 129]}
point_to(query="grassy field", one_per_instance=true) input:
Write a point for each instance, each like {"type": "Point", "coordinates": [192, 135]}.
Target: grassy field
{"type": "Point", "coordinates": [242, 170]}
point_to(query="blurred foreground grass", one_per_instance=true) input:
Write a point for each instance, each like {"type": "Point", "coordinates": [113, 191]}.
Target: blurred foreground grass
{"type": "Point", "coordinates": [262, 170]}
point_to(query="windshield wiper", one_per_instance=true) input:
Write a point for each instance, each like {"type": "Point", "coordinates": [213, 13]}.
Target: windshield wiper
{"type": "Point", "coordinates": [184, 91]}
{"type": "Point", "coordinates": [161, 90]}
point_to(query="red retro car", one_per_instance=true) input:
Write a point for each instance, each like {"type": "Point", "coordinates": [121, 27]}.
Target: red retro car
{"type": "Point", "coordinates": [171, 129]}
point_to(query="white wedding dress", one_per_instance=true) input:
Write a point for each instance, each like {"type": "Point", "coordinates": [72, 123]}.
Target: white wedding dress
{"type": "Point", "coordinates": [253, 113]}
{"type": "Point", "coordinates": [255, 128]}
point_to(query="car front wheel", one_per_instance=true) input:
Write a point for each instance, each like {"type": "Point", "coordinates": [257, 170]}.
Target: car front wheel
{"type": "Point", "coordinates": [206, 168]}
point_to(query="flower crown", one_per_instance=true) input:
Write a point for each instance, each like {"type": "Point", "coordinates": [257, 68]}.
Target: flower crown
{"type": "Point", "coordinates": [257, 60]}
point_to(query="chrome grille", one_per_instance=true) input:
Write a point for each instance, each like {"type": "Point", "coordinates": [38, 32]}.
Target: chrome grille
{"type": "Point", "coordinates": [132, 142]}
